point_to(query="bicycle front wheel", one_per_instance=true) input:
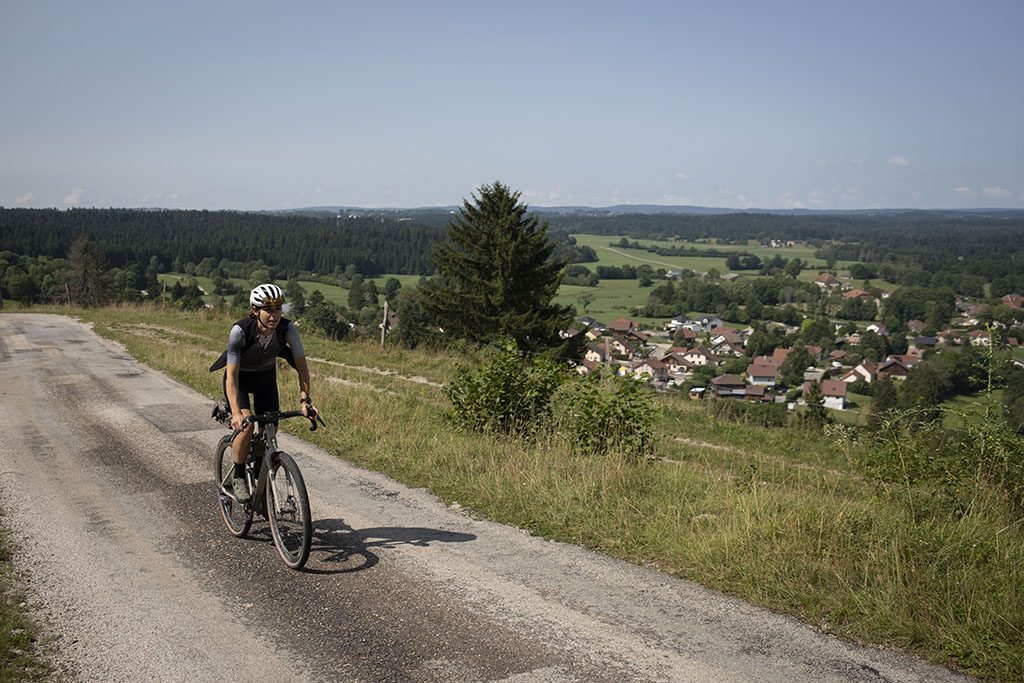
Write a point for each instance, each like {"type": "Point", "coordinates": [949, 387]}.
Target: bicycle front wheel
{"type": "Point", "coordinates": [288, 510]}
{"type": "Point", "coordinates": [236, 517]}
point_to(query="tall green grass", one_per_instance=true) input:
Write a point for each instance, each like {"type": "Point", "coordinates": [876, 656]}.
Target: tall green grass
{"type": "Point", "coordinates": [785, 519]}
{"type": "Point", "coordinates": [21, 652]}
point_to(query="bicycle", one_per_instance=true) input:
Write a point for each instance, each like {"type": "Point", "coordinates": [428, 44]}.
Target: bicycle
{"type": "Point", "coordinates": [278, 491]}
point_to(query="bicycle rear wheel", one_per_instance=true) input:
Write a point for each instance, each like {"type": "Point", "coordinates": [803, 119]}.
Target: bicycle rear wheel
{"type": "Point", "coordinates": [236, 517]}
{"type": "Point", "coordinates": [288, 510]}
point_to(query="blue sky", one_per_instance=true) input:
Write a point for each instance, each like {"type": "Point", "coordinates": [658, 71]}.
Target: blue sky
{"type": "Point", "coordinates": [266, 105]}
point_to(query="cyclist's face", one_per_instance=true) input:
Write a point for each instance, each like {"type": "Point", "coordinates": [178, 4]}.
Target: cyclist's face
{"type": "Point", "coordinates": [270, 316]}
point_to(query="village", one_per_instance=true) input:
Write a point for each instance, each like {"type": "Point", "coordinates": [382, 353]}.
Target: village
{"type": "Point", "coordinates": [680, 355]}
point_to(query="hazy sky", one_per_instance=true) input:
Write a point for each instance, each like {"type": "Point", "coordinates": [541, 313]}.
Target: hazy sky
{"type": "Point", "coordinates": [265, 105]}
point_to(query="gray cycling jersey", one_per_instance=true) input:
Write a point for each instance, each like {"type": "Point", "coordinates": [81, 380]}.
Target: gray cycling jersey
{"type": "Point", "coordinates": [261, 355]}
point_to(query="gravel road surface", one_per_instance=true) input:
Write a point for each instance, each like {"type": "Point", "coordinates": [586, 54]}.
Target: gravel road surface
{"type": "Point", "coordinates": [107, 476]}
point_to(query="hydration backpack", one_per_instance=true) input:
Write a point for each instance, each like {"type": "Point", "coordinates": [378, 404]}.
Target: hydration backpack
{"type": "Point", "coordinates": [251, 331]}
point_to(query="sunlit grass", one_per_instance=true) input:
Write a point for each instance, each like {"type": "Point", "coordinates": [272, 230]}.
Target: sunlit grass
{"type": "Point", "coordinates": [782, 518]}
{"type": "Point", "coordinates": [20, 650]}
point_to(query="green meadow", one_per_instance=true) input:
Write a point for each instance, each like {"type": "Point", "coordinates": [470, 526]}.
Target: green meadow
{"type": "Point", "coordinates": [333, 293]}
{"type": "Point", "coordinates": [783, 518]}
{"type": "Point", "coordinates": [612, 298]}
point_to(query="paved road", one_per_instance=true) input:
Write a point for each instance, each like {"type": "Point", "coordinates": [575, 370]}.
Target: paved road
{"type": "Point", "coordinates": [106, 474]}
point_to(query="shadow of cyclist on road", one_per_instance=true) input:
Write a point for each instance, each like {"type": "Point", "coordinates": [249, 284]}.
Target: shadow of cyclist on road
{"type": "Point", "coordinates": [345, 549]}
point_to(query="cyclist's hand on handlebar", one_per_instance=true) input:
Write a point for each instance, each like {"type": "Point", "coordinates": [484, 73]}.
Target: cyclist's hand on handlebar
{"type": "Point", "coordinates": [313, 415]}
{"type": "Point", "coordinates": [236, 421]}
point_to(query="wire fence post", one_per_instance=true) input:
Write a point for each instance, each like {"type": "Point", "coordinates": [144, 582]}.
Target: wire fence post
{"type": "Point", "coordinates": [384, 326]}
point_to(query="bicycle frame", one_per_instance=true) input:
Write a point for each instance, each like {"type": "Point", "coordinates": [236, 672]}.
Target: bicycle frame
{"type": "Point", "coordinates": [265, 433]}
{"type": "Point", "coordinates": [267, 438]}
{"type": "Point", "coordinates": [289, 517]}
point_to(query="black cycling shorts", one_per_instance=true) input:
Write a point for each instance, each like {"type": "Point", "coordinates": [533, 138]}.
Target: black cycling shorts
{"type": "Point", "coordinates": [263, 387]}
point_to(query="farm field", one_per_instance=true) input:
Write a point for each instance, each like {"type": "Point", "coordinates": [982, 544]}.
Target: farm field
{"type": "Point", "coordinates": [609, 255]}
{"type": "Point", "coordinates": [333, 293]}
{"type": "Point", "coordinates": [612, 298]}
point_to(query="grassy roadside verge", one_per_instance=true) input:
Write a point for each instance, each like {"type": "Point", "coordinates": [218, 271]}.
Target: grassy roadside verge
{"type": "Point", "coordinates": [784, 519]}
{"type": "Point", "coordinates": [20, 651]}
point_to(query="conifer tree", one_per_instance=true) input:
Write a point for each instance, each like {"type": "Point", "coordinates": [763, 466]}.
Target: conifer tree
{"type": "Point", "coordinates": [89, 282]}
{"type": "Point", "coordinates": [496, 275]}
{"type": "Point", "coordinates": [883, 402]}
{"type": "Point", "coordinates": [356, 293]}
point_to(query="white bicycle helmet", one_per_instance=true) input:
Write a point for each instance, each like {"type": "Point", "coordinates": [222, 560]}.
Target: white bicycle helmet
{"type": "Point", "coordinates": [266, 295]}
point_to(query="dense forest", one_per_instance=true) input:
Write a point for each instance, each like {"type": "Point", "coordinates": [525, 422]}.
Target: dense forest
{"type": "Point", "coordinates": [289, 242]}
{"type": "Point", "coordinates": [963, 251]}
{"type": "Point", "coordinates": [868, 237]}
{"type": "Point", "coordinates": [325, 243]}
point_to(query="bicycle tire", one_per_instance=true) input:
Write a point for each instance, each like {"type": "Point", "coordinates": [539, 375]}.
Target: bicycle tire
{"type": "Point", "coordinates": [288, 510]}
{"type": "Point", "coordinates": [236, 517]}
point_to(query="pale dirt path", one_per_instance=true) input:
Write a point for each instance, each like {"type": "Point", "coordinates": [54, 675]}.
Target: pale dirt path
{"type": "Point", "coordinates": [106, 475]}
{"type": "Point", "coordinates": [377, 371]}
{"type": "Point", "coordinates": [643, 260]}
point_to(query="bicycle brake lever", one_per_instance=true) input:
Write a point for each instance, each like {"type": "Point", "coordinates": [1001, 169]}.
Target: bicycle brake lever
{"type": "Point", "coordinates": [313, 420]}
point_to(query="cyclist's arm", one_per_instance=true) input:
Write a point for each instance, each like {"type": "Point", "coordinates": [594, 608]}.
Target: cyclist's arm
{"type": "Point", "coordinates": [235, 342]}
{"type": "Point", "coordinates": [299, 356]}
{"type": "Point", "coordinates": [231, 389]}
{"type": "Point", "coordinates": [303, 369]}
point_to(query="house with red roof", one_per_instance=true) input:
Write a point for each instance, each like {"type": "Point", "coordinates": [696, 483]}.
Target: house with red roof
{"type": "Point", "coordinates": [826, 280]}
{"type": "Point", "coordinates": [622, 326]}
{"type": "Point", "coordinates": [892, 368]}
{"type": "Point", "coordinates": [762, 373]}
{"type": "Point", "coordinates": [865, 370]}
{"type": "Point", "coordinates": [833, 391]}
{"type": "Point", "coordinates": [1014, 301]}
{"type": "Point", "coordinates": [859, 294]}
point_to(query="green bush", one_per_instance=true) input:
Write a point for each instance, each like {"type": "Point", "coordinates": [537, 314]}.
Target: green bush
{"type": "Point", "coordinates": [507, 395]}
{"type": "Point", "coordinates": [757, 414]}
{"type": "Point", "coordinates": [512, 395]}
{"type": "Point", "coordinates": [602, 414]}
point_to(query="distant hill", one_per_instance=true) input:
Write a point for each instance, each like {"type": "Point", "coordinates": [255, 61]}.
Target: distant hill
{"type": "Point", "coordinates": [620, 209]}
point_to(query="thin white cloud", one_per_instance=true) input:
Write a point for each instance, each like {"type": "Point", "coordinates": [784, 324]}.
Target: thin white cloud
{"type": "Point", "coordinates": [675, 200]}
{"type": "Point", "coordinates": [731, 198]}
{"type": "Point", "coordinates": [543, 196]}
{"type": "Point", "coordinates": [790, 202]}
{"type": "Point", "coordinates": [963, 190]}
{"type": "Point", "coordinates": [683, 177]}
{"type": "Point", "coordinates": [821, 163]}
{"type": "Point", "coordinates": [997, 192]}
{"type": "Point", "coordinates": [24, 199]}
{"type": "Point", "coordinates": [897, 160]}
{"type": "Point", "coordinates": [75, 196]}
{"type": "Point", "coordinates": [832, 198]}
{"type": "Point", "coordinates": [857, 161]}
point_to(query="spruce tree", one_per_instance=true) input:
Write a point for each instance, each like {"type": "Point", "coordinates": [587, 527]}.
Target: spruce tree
{"type": "Point", "coordinates": [89, 282]}
{"type": "Point", "coordinates": [496, 275]}
{"type": "Point", "coordinates": [883, 403]}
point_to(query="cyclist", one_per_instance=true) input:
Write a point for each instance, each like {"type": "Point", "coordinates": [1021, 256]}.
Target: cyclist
{"type": "Point", "coordinates": [254, 344]}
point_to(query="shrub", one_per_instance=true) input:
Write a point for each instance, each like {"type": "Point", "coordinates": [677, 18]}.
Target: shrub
{"type": "Point", "coordinates": [507, 395]}
{"type": "Point", "coordinates": [512, 395]}
{"type": "Point", "coordinates": [757, 414]}
{"type": "Point", "coordinates": [602, 414]}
